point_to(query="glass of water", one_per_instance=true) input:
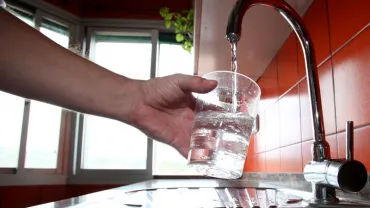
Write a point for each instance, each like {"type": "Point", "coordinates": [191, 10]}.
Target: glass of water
{"type": "Point", "coordinates": [222, 125]}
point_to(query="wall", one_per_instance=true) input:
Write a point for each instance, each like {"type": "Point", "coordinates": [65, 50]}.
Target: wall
{"type": "Point", "coordinates": [341, 35]}
{"type": "Point", "coordinates": [25, 196]}
{"type": "Point", "coordinates": [128, 9]}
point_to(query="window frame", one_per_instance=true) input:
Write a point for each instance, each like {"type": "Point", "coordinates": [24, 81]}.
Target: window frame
{"type": "Point", "coordinates": [28, 176]}
{"type": "Point", "coordinates": [110, 176]}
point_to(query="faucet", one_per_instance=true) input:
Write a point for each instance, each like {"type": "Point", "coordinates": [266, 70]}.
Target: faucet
{"type": "Point", "coordinates": [325, 174]}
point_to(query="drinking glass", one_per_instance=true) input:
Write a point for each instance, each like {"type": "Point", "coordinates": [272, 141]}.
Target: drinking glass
{"type": "Point", "coordinates": [222, 126]}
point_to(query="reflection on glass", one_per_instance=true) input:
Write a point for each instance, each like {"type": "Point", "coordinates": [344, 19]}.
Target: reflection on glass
{"type": "Point", "coordinates": [11, 117]}
{"type": "Point", "coordinates": [109, 144]}
{"type": "Point", "coordinates": [45, 119]}
{"type": "Point", "coordinates": [167, 161]}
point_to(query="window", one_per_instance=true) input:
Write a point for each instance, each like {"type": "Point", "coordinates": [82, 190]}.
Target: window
{"type": "Point", "coordinates": [172, 59]}
{"type": "Point", "coordinates": [11, 111]}
{"type": "Point", "coordinates": [44, 123]}
{"type": "Point", "coordinates": [25, 16]}
{"type": "Point", "coordinates": [110, 144]}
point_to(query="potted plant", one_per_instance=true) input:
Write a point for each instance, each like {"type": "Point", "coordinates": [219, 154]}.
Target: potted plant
{"type": "Point", "coordinates": [183, 23]}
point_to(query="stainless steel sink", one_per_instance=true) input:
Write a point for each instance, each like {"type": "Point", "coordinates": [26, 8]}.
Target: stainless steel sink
{"type": "Point", "coordinates": [227, 197]}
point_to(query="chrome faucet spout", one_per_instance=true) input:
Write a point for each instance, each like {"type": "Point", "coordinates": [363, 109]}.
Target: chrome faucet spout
{"type": "Point", "coordinates": [324, 174]}
{"type": "Point", "coordinates": [233, 34]}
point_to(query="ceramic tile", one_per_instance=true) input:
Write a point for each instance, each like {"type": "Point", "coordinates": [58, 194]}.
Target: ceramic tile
{"type": "Point", "coordinates": [272, 138]}
{"type": "Point", "coordinates": [346, 18]}
{"type": "Point", "coordinates": [291, 158]}
{"type": "Point", "coordinates": [316, 21]}
{"type": "Point", "coordinates": [289, 113]}
{"type": "Point", "coordinates": [250, 164]}
{"type": "Point", "coordinates": [352, 78]}
{"type": "Point", "coordinates": [261, 162]}
{"type": "Point", "coordinates": [273, 161]}
{"type": "Point", "coordinates": [269, 85]}
{"type": "Point", "coordinates": [287, 64]}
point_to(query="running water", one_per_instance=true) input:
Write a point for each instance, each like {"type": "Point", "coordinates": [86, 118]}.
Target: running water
{"type": "Point", "coordinates": [234, 68]}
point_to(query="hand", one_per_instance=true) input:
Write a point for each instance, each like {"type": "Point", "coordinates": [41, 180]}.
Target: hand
{"type": "Point", "coordinates": [164, 108]}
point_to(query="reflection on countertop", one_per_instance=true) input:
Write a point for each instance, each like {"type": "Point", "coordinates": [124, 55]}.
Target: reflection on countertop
{"type": "Point", "coordinates": [252, 190]}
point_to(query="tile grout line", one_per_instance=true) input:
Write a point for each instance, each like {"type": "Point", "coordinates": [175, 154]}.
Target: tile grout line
{"type": "Point", "coordinates": [321, 63]}
{"type": "Point", "coordinates": [340, 132]}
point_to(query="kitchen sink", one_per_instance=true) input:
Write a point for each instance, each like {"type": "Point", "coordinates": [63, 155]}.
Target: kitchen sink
{"type": "Point", "coordinates": [227, 197]}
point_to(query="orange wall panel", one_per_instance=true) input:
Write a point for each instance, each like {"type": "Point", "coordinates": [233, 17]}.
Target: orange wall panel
{"type": "Point", "coordinates": [340, 30]}
{"type": "Point", "coordinates": [287, 64]}
{"type": "Point", "coordinates": [346, 19]}
{"type": "Point", "coordinates": [352, 81]}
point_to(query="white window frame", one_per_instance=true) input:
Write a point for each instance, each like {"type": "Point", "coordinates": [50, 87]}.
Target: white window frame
{"type": "Point", "coordinates": [32, 176]}
{"type": "Point", "coordinates": [77, 175]}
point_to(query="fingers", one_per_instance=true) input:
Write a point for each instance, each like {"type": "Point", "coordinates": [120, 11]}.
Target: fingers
{"type": "Point", "coordinates": [196, 84]}
{"type": "Point", "coordinates": [184, 151]}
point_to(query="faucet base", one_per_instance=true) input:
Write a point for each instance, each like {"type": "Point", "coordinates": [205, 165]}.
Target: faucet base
{"type": "Point", "coordinates": [323, 194]}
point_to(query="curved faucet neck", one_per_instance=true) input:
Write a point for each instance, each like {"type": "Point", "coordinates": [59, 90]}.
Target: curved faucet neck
{"type": "Point", "coordinates": [233, 34]}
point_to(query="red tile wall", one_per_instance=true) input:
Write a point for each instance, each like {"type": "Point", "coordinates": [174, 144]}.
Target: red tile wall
{"type": "Point", "coordinates": [26, 196]}
{"type": "Point", "coordinates": [340, 30]}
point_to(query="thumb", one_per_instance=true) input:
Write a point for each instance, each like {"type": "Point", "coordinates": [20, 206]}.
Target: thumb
{"type": "Point", "coordinates": [196, 84]}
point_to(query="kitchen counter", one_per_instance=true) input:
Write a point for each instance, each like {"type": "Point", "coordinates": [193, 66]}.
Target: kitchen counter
{"type": "Point", "coordinates": [261, 190]}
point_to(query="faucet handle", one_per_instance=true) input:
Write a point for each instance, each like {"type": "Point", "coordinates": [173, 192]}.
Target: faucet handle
{"type": "Point", "coordinates": [349, 140]}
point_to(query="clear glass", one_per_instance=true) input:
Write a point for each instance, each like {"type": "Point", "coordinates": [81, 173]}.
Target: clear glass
{"type": "Point", "coordinates": [109, 144]}
{"type": "Point", "coordinates": [44, 123]}
{"type": "Point", "coordinates": [11, 117]}
{"type": "Point", "coordinates": [167, 160]}
{"type": "Point", "coordinates": [223, 124]}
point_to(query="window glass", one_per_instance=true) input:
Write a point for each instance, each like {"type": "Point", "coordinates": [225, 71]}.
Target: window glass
{"type": "Point", "coordinates": [11, 117]}
{"type": "Point", "coordinates": [110, 144]}
{"type": "Point", "coordinates": [45, 120]}
{"type": "Point", "coordinates": [172, 59]}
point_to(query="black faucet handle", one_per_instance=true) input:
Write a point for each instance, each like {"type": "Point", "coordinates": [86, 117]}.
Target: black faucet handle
{"type": "Point", "coordinates": [349, 140]}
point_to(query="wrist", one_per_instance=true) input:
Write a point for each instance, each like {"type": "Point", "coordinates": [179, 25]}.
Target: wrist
{"type": "Point", "coordinates": [125, 98]}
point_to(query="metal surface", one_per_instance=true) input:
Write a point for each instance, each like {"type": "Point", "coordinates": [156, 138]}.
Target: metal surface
{"type": "Point", "coordinates": [324, 174]}
{"type": "Point", "coordinates": [198, 193]}
{"type": "Point", "coordinates": [350, 176]}
{"type": "Point", "coordinates": [349, 140]}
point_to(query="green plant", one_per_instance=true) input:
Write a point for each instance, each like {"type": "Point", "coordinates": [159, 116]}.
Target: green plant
{"type": "Point", "coordinates": [183, 23]}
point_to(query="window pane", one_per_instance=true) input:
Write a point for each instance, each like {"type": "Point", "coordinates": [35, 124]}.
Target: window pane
{"type": "Point", "coordinates": [45, 119]}
{"type": "Point", "coordinates": [25, 17]}
{"type": "Point", "coordinates": [109, 144]}
{"type": "Point", "coordinates": [11, 117]}
{"type": "Point", "coordinates": [167, 161]}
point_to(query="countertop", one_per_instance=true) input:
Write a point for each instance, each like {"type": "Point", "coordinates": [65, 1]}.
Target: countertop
{"type": "Point", "coordinates": [253, 189]}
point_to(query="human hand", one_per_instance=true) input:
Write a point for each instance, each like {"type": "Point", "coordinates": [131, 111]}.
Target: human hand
{"type": "Point", "coordinates": [163, 108]}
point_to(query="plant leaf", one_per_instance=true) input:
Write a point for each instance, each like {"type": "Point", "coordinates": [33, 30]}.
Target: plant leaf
{"type": "Point", "coordinates": [164, 11]}
{"type": "Point", "coordinates": [179, 37]}
{"type": "Point", "coordinates": [190, 15]}
{"type": "Point", "coordinates": [168, 23]}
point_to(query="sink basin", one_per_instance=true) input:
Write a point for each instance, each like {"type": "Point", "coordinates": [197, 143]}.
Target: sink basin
{"type": "Point", "coordinates": [225, 197]}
